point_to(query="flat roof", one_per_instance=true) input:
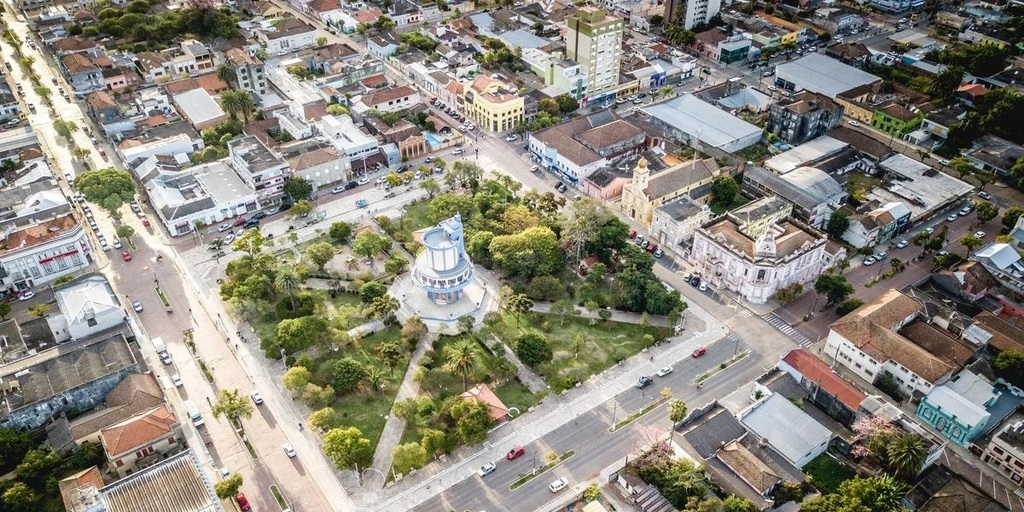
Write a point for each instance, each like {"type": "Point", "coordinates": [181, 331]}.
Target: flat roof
{"type": "Point", "coordinates": [221, 182]}
{"type": "Point", "coordinates": [825, 75]}
{"type": "Point", "coordinates": [920, 187]}
{"type": "Point", "coordinates": [698, 118]}
{"type": "Point", "coordinates": [198, 106]}
{"type": "Point", "coordinates": [807, 153]}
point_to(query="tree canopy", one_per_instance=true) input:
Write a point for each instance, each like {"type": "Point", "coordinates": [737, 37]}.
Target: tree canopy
{"type": "Point", "coordinates": [110, 188]}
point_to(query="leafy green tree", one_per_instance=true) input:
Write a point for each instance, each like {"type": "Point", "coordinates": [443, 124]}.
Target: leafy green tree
{"type": "Point", "coordinates": [384, 307]}
{"type": "Point", "coordinates": [530, 253]}
{"type": "Point", "coordinates": [340, 231]}
{"type": "Point", "coordinates": [65, 128]}
{"type": "Point", "coordinates": [301, 208]}
{"type": "Point", "coordinates": [368, 244]}
{"type": "Point", "coordinates": [838, 223]}
{"type": "Point", "coordinates": [962, 166]}
{"type": "Point", "coordinates": [724, 191]}
{"type": "Point", "coordinates": [125, 231]}
{"type": "Point", "coordinates": [396, 265]}
{"type": "Point", "coordinates": [232, 404]}
{"type": "Point", "coordinates": [848, 306]}
{"type": "Point", "coordinates": [1009, 364]}
{"type": "Point", "coordinates": [251, 243]}
{"type": "Point", "coordinates": [371, 290]}
{"type": "Point", "coordinates": [971, 242]}
{"type": "Point", "coordinates": [296, 378]}
{"type": "Point", "coordinates": [472, 421]}
{"type": "Point", "coordinates": [677, 411]}
{"type": "Point", "coordinates": [408, 456]}
{"type": "Point", "coordinates": [986, 211]}
{"type": "Point", "coordinates": [237, 101]}
{"type": "Point", "coordinates": [20, 498]}
{"type": "Point", "coordinates": [287, 281]}
{"type": "Point", "coordinates": [464, 174]}
{"type": "Point", "coordinates": [13, 446]}
{"type": "Point", "coordinates": [519, 304]}
{"type": "Point", "coordinates": [430, 186]}
{"type": "Point", "coordinates": [835, 287]}
{"type": "Point", "coordinates": [444, 206]}
{"type": "Point", "coordinates": [533, 349]}
{"type": "Point", "coordinates": [562, 309]}
{"type": "Point", "coordinates": [461, 358]}
{"type": "Point", "coordinates": [943, 86]}
{"type": "Point", "coordinates": [874, 494]}
{"type": "Point", "coordinates": [1011, 215]}
{"type": "Point", "coordinates": [297, 334]}
{"type": "Point", "coordinates": [567, 104]}
{"type": "Point", "coordinates": [39, 310]}
{"type": "Point", "coordinates": [37, 464]}
{"type": "Point", "coordinates": [390, 354]}
{"type": "Point", "coordinates": [346, 374]}
{"type": "Point", "coordinates": [110, 188]}
{"type": "Point", "coordinates": [5, 309]}
{"type": "Point", "coordinates": [347, 447]}
{"type": "Point", "coordinates": [320, 253]}
{"type": "Point", "coordinates": [226, 72]}
{"type": "Point", "coordinates": [298, 188]}
{"type": "Point", "coordinates": [228, 488]}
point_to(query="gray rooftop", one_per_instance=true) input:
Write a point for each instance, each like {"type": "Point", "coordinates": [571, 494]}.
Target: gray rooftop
{"type": "Point", "coordinates": [805, 186]}
{"type": "Point", "coordinates": [777, 419]}
{"type": "Point", "coordinates": [523, 39]}
{"type": "Point", "coordinates": [177, 484]}
{"type": "Point", "coordinates": [256, 156]}
{"type": "Point", "coordinates": [818, 73]}
{"type": "Point", "coordinates": [680, 209]}
{"type": "Point", "coordinates": [698, 118]}
{"type": "Point", "coordinates": [198, 106]}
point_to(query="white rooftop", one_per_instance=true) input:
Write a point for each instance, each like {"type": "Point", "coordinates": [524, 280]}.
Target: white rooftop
{"type": "Point", "coordinates": [922, 188]}
{"type": "Point", "coordinates": [93, 295]}
{"type": "Point", "coordinates": [817, 73]}
{"type": "Point", "coordinates": [698, 118]}
{"type": "Point", "coordinates": [957, 406]}
{"type": "Point", "coordinates": [778, 420]}
{"type": "Point", "coordinates": [198, 106]}
{"type": "Point", "coordinates": [804, 154]}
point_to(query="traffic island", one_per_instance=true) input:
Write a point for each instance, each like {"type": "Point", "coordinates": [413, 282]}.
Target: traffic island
{"type": "Point", "coordinates": [163, 299]}
{"type": "Point", "coordinates": [721, 368]}
{"type": "Point", "coordinates": [540, 471]}
{"type": "Point", "coordinates": [638, 414]}
{"type": "Point", "coordinates": [280, 498]}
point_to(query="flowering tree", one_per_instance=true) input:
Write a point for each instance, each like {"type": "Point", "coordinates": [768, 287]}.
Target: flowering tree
{"type": "Point", "coordinates": [872, 435]}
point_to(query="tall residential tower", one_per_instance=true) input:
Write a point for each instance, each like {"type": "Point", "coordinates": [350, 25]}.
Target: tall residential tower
{"type": "Point", "coordinates": [594, 41]}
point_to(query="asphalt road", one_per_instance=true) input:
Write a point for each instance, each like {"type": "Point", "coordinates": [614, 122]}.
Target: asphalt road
{"type": "Point", "coordinates": [588, 436]}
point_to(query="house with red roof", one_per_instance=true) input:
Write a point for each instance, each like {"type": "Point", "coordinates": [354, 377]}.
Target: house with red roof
{"type": "Point", "coordinates": [825, 388]}
{"type": "Point", "coordinates": [142, 441]}
{"type": "Point", "coordinates": [483, 394]}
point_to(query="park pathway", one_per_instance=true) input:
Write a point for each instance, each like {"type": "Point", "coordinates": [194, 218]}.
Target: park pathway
{"type": "Point", "coordinates": [617, 315]}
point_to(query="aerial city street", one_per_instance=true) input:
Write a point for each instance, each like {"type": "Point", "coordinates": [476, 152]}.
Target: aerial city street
{"type": "Point", "coordinates": [402, 255]}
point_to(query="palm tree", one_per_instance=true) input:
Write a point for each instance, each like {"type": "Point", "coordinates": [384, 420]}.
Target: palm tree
{"type": "Point", "coordinates": [287, 281]}
{"type": "Point", "coordinates": [676, 412]}
{"type": "Point", "coordinates": [232, 404]}
{"type": "Point", "coordinates": [226, 72]}
{"type": "Point", "coordinates": [236, 102]}
{"type": "Point", "coordinates": [462, 357]}
{"type": "Point", "coordinates": [906, 455]}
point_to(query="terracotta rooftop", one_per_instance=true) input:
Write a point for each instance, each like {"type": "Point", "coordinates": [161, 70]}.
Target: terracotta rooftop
{"type": "Point", "coordinates": [1005, 336]}
{"type": "Point", "coordinates": [323, 5]}
{"type": "Point", "coordinates": [368, 15]}
{"type": "Point", "coordinates": [73, 44]}
{"type": "Point", "coordinates": [313, 158]}
{"type": "Point", "coordinates": [38, 233]}
{"type": "Point", "coordinates": [748, 467]}
{"type": "Point", "coordinates": [482, 393]}
{"type": "Point", "coordinates": [815, 370]}
{"type": "Point", "coordinates": [138, 392]}
{"type": "Point", "coordinates": [374, 81]}
{"type": "Point", "coordinates": [670, 180]}
{"type": "Point", "coordinates": [99, 100]}
{"type": "Point", "coordinates": [85, 479]}
{"type": "Point", "coordinates": [872, 328]}
{"type": "Point", "coordinates": [131, 434]}
{"type": "Point", "coordinates": [288, 26]}
{"type": "Point", "coordinates": [385, 95]}
{"type": "Point", "coordinates": [240, 57]}
{"type": "Point", "coordinates": [77, 63]}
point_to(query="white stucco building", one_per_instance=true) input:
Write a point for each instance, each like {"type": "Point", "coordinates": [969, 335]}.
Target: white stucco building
{"type": "Point", "coordinates": [755, 251]}
{"type": "Point", "coordinates": [88, 305]}
{"type": "Point", "coordinates": [42, 252]}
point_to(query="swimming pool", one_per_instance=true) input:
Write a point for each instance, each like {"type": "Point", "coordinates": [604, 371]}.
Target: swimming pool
{"type": "Point", "coordinates": [433, 140]}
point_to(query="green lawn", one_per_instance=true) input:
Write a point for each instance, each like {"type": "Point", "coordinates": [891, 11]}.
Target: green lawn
{"type": "Point", "coordinates": [826, 473]}
{"type": "Point", "coordinates": [859, 184]}
{"type": "Point", "coordinates": [363, 409]}
{"type": "Point", "coordinates": [415, 217]}
{"type": "Point", "coordinates": [515, 394]}
{"type": "Point", "coordinates": [605, 344]}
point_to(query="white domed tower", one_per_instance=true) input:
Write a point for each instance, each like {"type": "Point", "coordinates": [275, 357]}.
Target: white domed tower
{"type": "Point", "coordinates": [443, 269]}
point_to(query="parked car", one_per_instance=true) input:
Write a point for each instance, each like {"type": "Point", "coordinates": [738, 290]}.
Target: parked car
{"type": "Point", "coordinates": [289, 450]}
{"type": "Point", "coordinates": [363, 181]}
{"type": "Point", "coordinates": [699, 351]}
{"type": "Point", "coordinates": [643, 382]}
{"type": "Point", "coordinates": [664, 371]}
{"type": "Point", "coordinates": [659, 253]}
{"type": "Point", "coordinates": [125, 255]}
{"type": "Point", "coordinates": [515, 453]}
{"type": "Point", "coordinates": [224, 227]}
{"type": "Point", "coordinates": [176, 379]}
{"type": "Point", "coordinates": [870, 260]}
{"type": "Point", "coordinates": [337, 190]}
{"type": "Point", "coordinates": [257, 398]}
{"type": "Point", "coordinates": [902, 243]}
{"type": "Point", "coordinates": [26, 295]}
{"type": "Point", "coordinates": [229, 238]}
{"type": "Point", "coordinates": [239, 222]}
{"type": "Point", "coordinates": [243, 503]}
{"type": "Point", "coordinates": [881, 255]}
{"type": "Point", "coordinates": [985, 195]}
{"type": "Point", "coordinates": [979, 234]}
{"type": "Point", "coordinates": [261, 215]}
{"type": "Point", "coordinates": [486, 469]}
{"type": "Point", "coordinates": [137, 306]}
{"type": "Point", "coordinates": [117, 243]}
{"type": "Point", "coordinates": [952, 217]}
{"type": "Point", "coordinates": [558, 485]}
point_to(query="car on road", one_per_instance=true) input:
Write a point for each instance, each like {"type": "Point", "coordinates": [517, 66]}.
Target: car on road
{"type": "Point", "coordinates": [137, 306]}
{"type": "Point", "coordinates": [664, 371]}
{"type": "Point", "coordinates": [659, 253]}
{"type": "Point", "coordinates": [243, 503]}
{"type": "Point", "coordinates": [257, 398]}
{"type": "Point", "coordinates": [703, 287]}
{"type": "Point", "coordinates": [289, 450]}
{"type": "Point", "coordinates": [854, 123]}
{"type": "Point", "coordinates": [486, 469]}
{"type": "Point", "coordinates": [943, 161]}
{"type": "Point", "coordinates": [699, 351]}
{"type": "Point", "coordinates": [262, 215]}
{"type": "Point", "coordinates": [361, 203]}
{"type": "Point", "coordinates": [239, 222]}
{"type": "Point", "coordinates": [457, 151]}
{"type": "Point", "coordinates": [695, 281]}
{"type": "Point", "coordinates": [952, 217]}
{"type": "Point", "coordinates": [561, 187]}
{"type": "Point", "coordinates": [229, 238]}
{"type": "Point", "coordinates": [117, 243]}
{"type": "Point", "coordinates": [902, 243]}
{"type": "Point", "coordinates": [251, 223]}
{"type": "Point", "coordinates": [534, 168]}
{"type": "Point", "coordinates": [880, 255]}
{"type": "Point", "coordinates": [363, 181]}
{"type": "Point", "coordinates": [643, 382]}
{"type": "Point", "coordinates": [125, 255]}
{"type": "Point", "coordinates": [176, 379]}
{"type": "Point", "coordinates": [985, 195]}
{"type": "Point", "coordinates": [224, 227]}
{"type": "Point", "coordinates": [510, 138]}
{"type": "Point", "coordinates": [27, 295]}
{"type": "Point", "coordinates": [558, 485]}
{"type": "Point", "coordinates": [929, 230]}
{"type": "Point", "coordinates": [965, 210]}
{"type": "Point", "coordinates": [870, 260]}
{"type": "Point", "coordinates": [979, 234]}
{"type": "Point", "coordinates": [337, 190]}
{"type": "Point", "coordinates": [515, 453]}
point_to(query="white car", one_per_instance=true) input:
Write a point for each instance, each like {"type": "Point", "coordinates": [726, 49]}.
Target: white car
{"type": "Point", "coordinates": [256, 397]}
{"type": "Point", "coordinates": [943, 161]}
{"type": "Point", "coordinates": [952, 217]}
{"type": "Point", "coordinates": [363, 181]}
{"type": "Point", "coordinates": [902, 243]}
{"type": "Point", "coordinates": [418, 175]}
{"type": "Point", "coordinates": [457, 151]}
{"type": "Point", "coordinates": [979, 234]}
{"type": "Point", "coordinates": [486, 469]}
{"type": "Point", "coordinates": [664, 371]}
{"type": "Point", "coordinates": [510, 138]}
{"type": "Point", "coordinates": [854, 123]}
{"type": "Point", "coordinates": [870, 260]}
{"type": "Point", "coordinates": [229, 238]}
{"type": "Point", "coordinates": [534, 168]}
{"type": "Point", "coordinates": [137, 306]}
{"type": "Point", "coordinates": [117, 243]}
{"type": "Point", "coordinates": [558, 485]}
{"type": "Point", "coordinates": [289, 450]}
{"type": "Point", "coordinates": [224, 227]}
{"type": "Point", "coordinates": [27, 295]}
{"type": "Point", "coordinates": [176, 379]}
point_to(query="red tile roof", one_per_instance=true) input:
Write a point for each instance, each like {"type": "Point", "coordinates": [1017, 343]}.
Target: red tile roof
{"type": "Point", "coordinates": [139, 431]}
{"type": "Point", "coordinates": [482, 393]}
{"type": "Point", "coordinates": [815, 370]}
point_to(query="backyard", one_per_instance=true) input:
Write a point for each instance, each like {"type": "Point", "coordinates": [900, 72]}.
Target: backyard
{"type": "Point", "coordinates": [826, 473]}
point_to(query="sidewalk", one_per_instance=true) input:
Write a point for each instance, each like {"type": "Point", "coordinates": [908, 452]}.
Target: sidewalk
{"type": "Point", "coordinates": [554, 412]}
{"type": "Point", "coordinates": [617, 315]}
{"type": "Point", "coordinates": [395, 426]}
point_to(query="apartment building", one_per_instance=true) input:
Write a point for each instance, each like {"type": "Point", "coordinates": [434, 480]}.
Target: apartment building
{"type": "Point", "coordinates": [594, 40]}
{"type": "Point", "coordinates": [493, 104]}
{"type": "Point", "coordinates": [249, 72]}
{"type": "Point", "coordinates": [691, 12]}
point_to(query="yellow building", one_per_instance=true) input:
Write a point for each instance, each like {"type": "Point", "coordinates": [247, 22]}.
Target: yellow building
{"type": "Point", "coordinates": [647, 192]}
{"type": "Point", "coordinates": [494, 105]}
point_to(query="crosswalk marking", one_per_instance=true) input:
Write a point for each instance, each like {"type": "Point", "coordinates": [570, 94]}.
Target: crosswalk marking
{"type": "Point", "coordinates": [786, 329]}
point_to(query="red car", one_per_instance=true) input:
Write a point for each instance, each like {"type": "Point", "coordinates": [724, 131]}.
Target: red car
{"type": "Point", "coordinates": [145, 221]}
{"type": "Point", "coordinates": [698, 352]}
{"type": "Point", "coordinates": [515, 453]}
{"type": "Point", "coordinates": [125, 255]}
{"type": "Point", "coordinates": [239, 222]}
{"type": "Point", "coordinates": [632, 234]}
{"type": "Point", "coordinates": [243, 503]}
